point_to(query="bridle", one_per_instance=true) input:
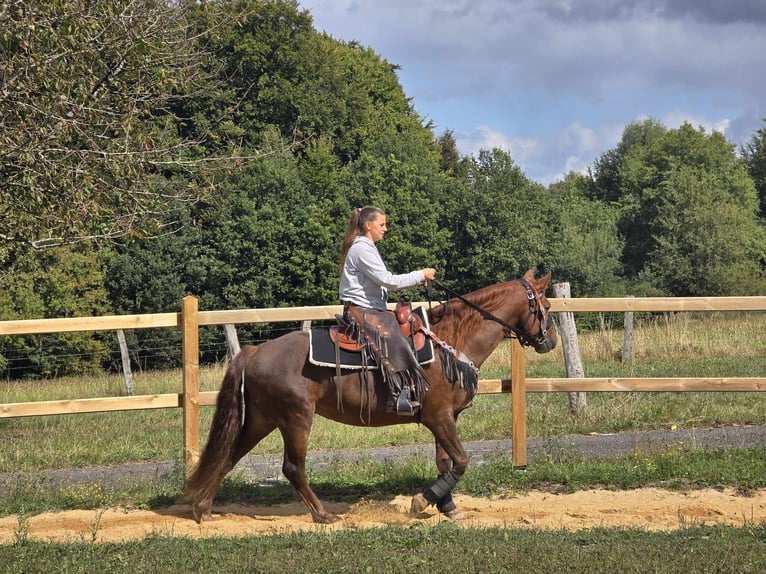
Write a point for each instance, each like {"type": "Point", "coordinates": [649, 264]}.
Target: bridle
{"type": "Point", "coordinates": [536, 310]}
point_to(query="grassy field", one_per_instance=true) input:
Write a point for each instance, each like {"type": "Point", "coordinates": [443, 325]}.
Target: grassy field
{"type": "Point", "coordinates": [682, 345]}
{"type": "Point", "coordinates": [719, 344]}
{"type": "Point", "coordinates": [422, 551]}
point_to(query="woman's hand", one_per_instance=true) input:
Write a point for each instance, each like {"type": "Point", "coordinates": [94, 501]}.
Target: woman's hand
{"type": "Point", "coordinates": [429, 273]}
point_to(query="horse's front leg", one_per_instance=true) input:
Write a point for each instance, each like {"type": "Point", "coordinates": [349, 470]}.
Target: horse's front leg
{"type": "Point", "coordinates": [451, 462]}
{"type": "Point", "coordinates": [445, 504]}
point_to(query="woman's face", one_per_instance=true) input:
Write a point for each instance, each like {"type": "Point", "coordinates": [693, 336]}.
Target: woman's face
{"type": "Point", "coordinates": [376, 229]}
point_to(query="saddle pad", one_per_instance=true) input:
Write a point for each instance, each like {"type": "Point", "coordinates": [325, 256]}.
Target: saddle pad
{"type": "Point", "coordinates": [322, 350]}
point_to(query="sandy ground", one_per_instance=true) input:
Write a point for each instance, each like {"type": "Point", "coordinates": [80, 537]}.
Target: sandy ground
{"type": "Point", "coordinates": [648, 509]}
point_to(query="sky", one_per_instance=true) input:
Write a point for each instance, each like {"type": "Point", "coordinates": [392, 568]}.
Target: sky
{"type": "Point", "coordinates": [555, 82]}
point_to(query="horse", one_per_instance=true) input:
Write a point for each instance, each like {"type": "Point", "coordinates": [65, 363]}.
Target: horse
{"type": "Point", "coordinates": [274, 386]}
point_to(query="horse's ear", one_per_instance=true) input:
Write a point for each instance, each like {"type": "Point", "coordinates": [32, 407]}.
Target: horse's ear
{"type": "Point", "coordinates": [544, 280]}
{"type": "Point", "coordinates": [530, 274]}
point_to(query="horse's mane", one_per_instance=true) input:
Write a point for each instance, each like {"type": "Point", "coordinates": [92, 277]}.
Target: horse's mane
{"type": "Point", "coordinates": [454, 321]}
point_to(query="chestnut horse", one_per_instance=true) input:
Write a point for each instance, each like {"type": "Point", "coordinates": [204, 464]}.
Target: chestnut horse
{"type": "Point", "coordinates": [283, 390]}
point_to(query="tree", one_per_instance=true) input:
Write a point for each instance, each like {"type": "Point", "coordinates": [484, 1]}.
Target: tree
{"type": "Point", "coordinates": [499, 222]}
{"type": "Point", "coordinates": [627, 178]}
{"type": "Point", "coordinates": [754, 154]}
{"type": "Point", "coordinates": [306, 85]}
{"type": "Point", "coordinates": [687, 210]}
{"type": "Point", "coordinates": [94, 141]}
{"type": "Point", "coordinates": [585, 245]}
{"type": "Point", "coordinates": [449, 156]}
{"type": "Point", "coordinates": [65, 281]}
{"type": "Point", "coordinates": [708, 242]}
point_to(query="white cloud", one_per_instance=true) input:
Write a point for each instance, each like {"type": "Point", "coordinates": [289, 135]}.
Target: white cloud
{"type": "Point", "coordinates": [675, 118]}
{"type": "Point", "coordinates": [554, 82]}
{"type": "Point", "coordinates": [550, 156]}
{"type": "Point", "coordinates": [520, 149]}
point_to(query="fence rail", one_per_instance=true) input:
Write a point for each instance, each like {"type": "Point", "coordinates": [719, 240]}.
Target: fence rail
{"type": "Point", "coordinates": [190, 319]}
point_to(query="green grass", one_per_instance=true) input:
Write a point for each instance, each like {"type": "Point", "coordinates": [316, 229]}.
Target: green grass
{"type": "Point", "coordinates": [33, 445]}
{"type": "Point", "coordinates": [729, 346]}
{"type": "Point", "coordinates": [558, 469]}
{"type": "Point", "coordinates": [691, 344]}
{"type": "Point", "coordinates": [428, 550]}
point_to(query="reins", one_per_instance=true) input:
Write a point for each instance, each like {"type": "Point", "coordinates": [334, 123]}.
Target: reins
{"type": "Point", "coordinates": [535, 309]}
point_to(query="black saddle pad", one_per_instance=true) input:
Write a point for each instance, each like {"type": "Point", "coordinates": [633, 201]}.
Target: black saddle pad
{"type": "Point", "coordinates": [322, 350]}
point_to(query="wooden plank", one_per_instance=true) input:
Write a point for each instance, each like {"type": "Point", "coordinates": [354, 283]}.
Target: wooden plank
{"type": "Point", "coordinates": [72, 324]}
{"type": "Point", "coordinates": [668, 384]}
{"type": "Point", "coordinates": [208, 398]}
{"type": "Point", "coordinates": [492, 386]}
{"type": "Point", "coordinates": [486, 386]}
{"type": "Point", "coordinates": [79, 406]}
{"type": "Point", "coordinates": [269, 315]}
{"type": "Point", "coordinates": [604, 304]}
{"type": "Point", "coordinates": [321, 313]}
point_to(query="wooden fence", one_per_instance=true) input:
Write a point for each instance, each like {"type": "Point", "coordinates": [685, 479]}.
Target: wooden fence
{"type": "Point", "coordinates": [191, 399]}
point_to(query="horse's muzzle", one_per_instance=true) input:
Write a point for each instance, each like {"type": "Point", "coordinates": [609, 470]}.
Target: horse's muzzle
{"type": "Point", "coordinates": [547, 343]}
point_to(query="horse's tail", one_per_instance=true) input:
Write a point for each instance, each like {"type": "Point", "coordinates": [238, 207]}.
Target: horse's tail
{"type": "Point", "coordinates": [224, 430]}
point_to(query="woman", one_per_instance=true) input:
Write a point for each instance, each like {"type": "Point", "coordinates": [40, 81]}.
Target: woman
{"type": "Point", "coordinates": [364, 285]}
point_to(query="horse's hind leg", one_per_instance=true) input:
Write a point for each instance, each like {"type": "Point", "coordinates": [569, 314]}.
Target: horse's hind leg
{"type": "Point", "coordinates": [294, 468]}
{"type": "Point", "coordinates": [255, 429]}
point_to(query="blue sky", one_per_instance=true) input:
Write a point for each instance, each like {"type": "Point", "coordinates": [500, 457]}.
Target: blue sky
{"type": "Point", "coordinates": [554, 82]}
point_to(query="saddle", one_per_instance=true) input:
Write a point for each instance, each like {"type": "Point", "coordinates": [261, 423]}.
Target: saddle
{"type": "Point", "coordinates": [410, 324]}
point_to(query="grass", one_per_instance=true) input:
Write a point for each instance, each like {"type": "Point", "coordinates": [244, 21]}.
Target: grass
{"type": "Point", "coordinates": [721, 345]}
{"type": "Point", "coordinates": [690, 344]}
{"type": "Point", "coordinates": [431, 550]}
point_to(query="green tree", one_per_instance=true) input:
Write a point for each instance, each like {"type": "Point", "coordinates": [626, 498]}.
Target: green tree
{"type": "Point", "coordinates": [754, 154]}
{"type": "Point", "coordinates": [449, 156]}
{"type": "Point", "coordinates": [585, 244]}
{"type": "Point", "coordinates": [628, 178]}
{"type": "Point", "coordinates": [499, 222]}
{"type": "Point", "coordinates": [306, 85]}
{"type": "Point", "coordinates": [64, 281]}
{"type": "Point", "coordinates": [668, 183]}
{"type": "Point", "coordinates": [708, 240]}
{"type": "Point", "coordinates": [93, 142]}
{"type": "Point", "coordinates": [268, 244]}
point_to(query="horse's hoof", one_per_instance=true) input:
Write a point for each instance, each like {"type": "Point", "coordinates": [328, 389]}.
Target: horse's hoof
{"type": "Point", "coordinates": [455, 515]}
{"type": "Point", "coordinates": [201, 515]}
{"type": "Point", "coordinates": [419, 504]}
{"type": "Point", "coordinates": [327, 518]}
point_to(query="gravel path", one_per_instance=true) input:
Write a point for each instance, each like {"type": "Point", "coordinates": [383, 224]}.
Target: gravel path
{"type": "Point", "coordinates": [268, 467]}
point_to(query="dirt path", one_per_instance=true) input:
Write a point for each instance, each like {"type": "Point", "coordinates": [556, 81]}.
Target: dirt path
{"type": "Point", "coordinates": [649, 509]}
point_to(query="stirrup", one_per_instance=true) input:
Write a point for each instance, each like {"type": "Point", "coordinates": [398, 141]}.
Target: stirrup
{"type": "Point", "coordinates": [404, 406]}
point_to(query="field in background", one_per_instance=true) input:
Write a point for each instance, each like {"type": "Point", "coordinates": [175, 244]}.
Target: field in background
{"type": "Point", "coordinates": [683, 344]}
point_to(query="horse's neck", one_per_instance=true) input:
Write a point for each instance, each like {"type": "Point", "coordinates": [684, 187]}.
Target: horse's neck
{"type": "Point", "coordinates": [483, 342]}
{"type": "Point", "coordinates": [483, 335]}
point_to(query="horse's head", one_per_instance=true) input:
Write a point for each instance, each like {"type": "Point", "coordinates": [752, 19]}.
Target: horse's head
{"type": "Point", "coordinates": [536, 328]}
{"type": "Point", "coordinates": [469, 323]}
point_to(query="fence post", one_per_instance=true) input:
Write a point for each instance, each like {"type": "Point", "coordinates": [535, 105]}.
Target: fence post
{"type": "Point", "coordinates": [190, 404]}
{"type": "Point", "coordinates": [627, 339]}
{"type": "Point", "coordinates": [567, 329]}
{"type": "Point", "coordinates": [518, 405]}
{"type": "Point", "coordinates": [231, 339]}
{"type": "Point", "coordinates": [125, 355]}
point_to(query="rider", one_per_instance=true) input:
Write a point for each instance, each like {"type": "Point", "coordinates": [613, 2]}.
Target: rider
{"type": "Point", "coordinates": [364, 285]}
